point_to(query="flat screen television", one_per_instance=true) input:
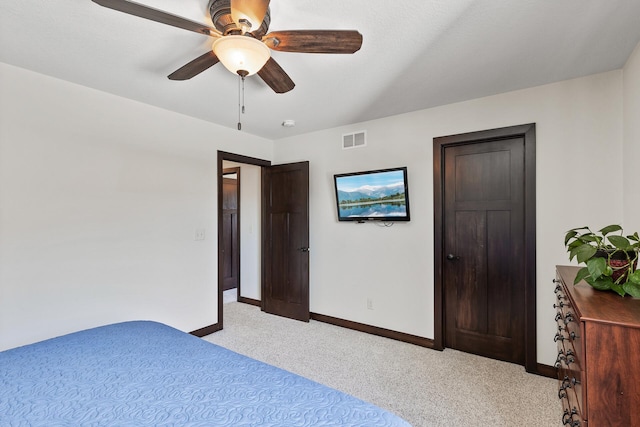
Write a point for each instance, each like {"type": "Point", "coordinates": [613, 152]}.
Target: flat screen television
{"type": "Point", "coordinates": [377, 195]}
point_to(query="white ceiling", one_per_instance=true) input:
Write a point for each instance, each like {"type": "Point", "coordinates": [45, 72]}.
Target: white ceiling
{"type": "Point", "coordinates": [416, 54]}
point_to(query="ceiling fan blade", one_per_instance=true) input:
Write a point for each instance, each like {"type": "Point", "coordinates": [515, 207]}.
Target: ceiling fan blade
{"type": "Point", "coordinates": [195, 67]}
{"type": "Point", "coordinates": [273, 75]}
{"type": "Point", "coordinates": [314, 41]}
{"type": "Point", "coordinates": [137, 9]}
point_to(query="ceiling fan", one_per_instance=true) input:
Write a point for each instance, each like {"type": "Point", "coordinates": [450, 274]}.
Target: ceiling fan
{"type": "Point", "coordinates": [242, 43]}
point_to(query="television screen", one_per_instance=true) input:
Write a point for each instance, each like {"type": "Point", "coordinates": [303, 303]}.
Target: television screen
{"type": "Point", "coordinates": [381, 195]}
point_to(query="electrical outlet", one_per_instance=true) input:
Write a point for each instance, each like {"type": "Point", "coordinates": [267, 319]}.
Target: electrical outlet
{"type": "Point", "coordinates": [370, 303]}
{"type": "Point", "coordinates": [199, 234]}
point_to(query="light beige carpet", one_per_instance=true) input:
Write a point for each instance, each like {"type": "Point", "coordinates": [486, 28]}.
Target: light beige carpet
{"type": "Point", "coordinates": [423, 386]}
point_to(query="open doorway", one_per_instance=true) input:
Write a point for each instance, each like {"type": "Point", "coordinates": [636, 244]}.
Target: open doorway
{"type": "Point", "coordinates": [231, 232]}
{"type": "Point", "coordinates": [239, 229]}
{"type": "Point", "coordinates": [273, 237]}
{"type": "Point", "coordinates": [241, 232]}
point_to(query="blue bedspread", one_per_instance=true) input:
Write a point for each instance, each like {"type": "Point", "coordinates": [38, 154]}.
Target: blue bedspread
{"type": "Point", "coordinates": [149, 374]}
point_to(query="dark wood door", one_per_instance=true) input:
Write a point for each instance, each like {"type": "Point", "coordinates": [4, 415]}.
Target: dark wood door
{"type": "Point", "coordinates": [285, 270]}
{"type": "Point", "coordinates": [483, 271]}
{"type": "Point", "coordinates": [230, 231]}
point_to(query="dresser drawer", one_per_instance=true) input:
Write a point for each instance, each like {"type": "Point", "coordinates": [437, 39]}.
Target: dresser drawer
{"type": "Point", "coordinates": [573, 331]}
{"type": "Point", "coordinates": [569, 327]}
{"type": "Point", "coordinates": [571, 415]}
{"type": "Point", "coordinates": [570, 389]}
{"type": "Point", "coordinates": [569, 350]}
{"type": "Point", "coordinates": [567, 358]}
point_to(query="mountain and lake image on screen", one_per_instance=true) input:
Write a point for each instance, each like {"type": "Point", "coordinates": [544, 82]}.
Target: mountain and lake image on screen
{"type": "Point", "coordinates": [373, 195]}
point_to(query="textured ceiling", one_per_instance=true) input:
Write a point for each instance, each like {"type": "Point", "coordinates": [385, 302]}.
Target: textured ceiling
{"type": "Point", "coordinates": [416, 54]}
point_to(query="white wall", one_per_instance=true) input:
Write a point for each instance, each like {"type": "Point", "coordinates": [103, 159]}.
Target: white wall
{"type": "Point", "coordinates": [631, 92]}
{"type": "Point", "coordinates": [250, 229]}
{"type": "Point", "coordinates": [100, 197]}
{"type": "Point", "coordinates": [579, 122]}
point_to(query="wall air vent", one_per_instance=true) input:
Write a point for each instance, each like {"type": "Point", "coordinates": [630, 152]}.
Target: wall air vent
{"type": "Point", "coordinates": [354, 140]}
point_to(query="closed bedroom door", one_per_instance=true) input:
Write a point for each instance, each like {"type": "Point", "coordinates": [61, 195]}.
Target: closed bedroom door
{"type": "Point", "coordinates": [483, 271]}
{"type": "Point", "coordinates": [285, 270]}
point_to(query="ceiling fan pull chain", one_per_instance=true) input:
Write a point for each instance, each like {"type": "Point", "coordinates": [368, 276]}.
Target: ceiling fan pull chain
{"type": "Point", "coordinates": [242, 94]}
{"type": "Point", "coordinates": [239, 101]}
{"type": "Point", "coordinates": [241, 75]}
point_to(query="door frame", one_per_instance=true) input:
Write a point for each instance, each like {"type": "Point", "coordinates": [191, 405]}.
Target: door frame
{"type": "Point", "coordinates": [222, 156]}
{"type": "Point", "coordinates": [235, 171]}
{"type": "Point", "coordinates": [528, 132]}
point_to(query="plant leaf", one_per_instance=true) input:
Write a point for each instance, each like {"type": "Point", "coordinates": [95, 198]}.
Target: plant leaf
{"type": "Point", "coordinates": [583, 253]}
{"type": "Point", "coordinates": [618, 289]}
{"type": "Point", "coordinates": [620, 242]}
{"type": "Point", "coordinates": [582, 273]}
{"type": "Point", "coordinates": [574, 244]}
{"type": "Point", "coordinates": [610, 229]}
{"type": "Point", "coordinates": [579, 228]}
{"type": "Point", "coordinates": [590, 238]}
{"type": "Point", "coordinates": [570, 234]}
{"type": "Point", "coordinates": [572, 252]}
{"type": "Point", "coordinates": [634, 277]}
{"type": "Point", "coordinates": [632, 289]}
{"type": "Point", "coordinates": [603, 284]}
{"type": "Point", "coordinates": [597, 267]}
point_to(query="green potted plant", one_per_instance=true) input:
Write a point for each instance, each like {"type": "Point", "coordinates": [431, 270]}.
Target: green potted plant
{"type": "Point", "coordinates": [611, 258]}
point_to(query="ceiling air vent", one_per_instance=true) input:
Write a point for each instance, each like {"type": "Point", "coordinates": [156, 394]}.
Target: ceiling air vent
{"type": "Point", "coordinates": [354, 140]}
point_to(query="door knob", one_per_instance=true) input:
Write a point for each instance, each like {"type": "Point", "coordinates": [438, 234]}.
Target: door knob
{"type": "Point", "coordinates": [452, 257]}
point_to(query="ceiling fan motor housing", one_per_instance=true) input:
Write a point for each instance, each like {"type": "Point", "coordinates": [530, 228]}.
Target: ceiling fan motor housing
{"type": "Point", "coordinates": [220, 11]}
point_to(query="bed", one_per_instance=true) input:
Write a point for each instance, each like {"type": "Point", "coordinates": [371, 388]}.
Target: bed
{"type": "Point", "coordinates": [147, 373]}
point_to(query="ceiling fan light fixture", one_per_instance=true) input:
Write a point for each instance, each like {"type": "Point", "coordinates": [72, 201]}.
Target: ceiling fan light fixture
{"type": "Point", "coordinates": [241, 54]}
{"type": "Point", "coordinates": [252, 11]}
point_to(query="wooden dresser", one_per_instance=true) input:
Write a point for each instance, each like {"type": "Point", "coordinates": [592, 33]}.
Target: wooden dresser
{"type": "Point", "coordinates": [598, 362]}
